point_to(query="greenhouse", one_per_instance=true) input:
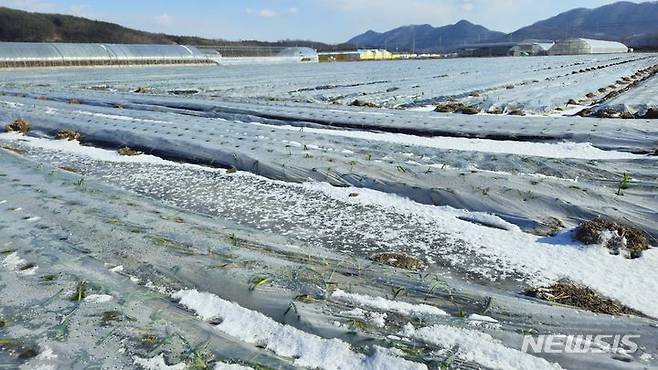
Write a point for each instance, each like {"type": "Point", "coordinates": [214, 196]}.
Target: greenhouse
{"type": "Point", "coordinates": [303, 54]}
{"type": "Point", "coordinates": [24, 54]}
{"type": "Point", "coordinates": [530, 49]}
{"type": "Point", "coordinates": [587, 46]}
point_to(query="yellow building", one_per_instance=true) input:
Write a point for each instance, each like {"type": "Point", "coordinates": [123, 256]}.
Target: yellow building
{"type": "Point", "coordinates": [375, 54]}
{"type": "Point", "coordinates": [363, 55]}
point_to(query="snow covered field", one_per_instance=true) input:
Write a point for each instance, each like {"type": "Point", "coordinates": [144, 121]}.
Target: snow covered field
{"type": "Point", "coordinates": [244, 235]}
{"type": "Point", "coordinates": [637, 101]}
{"type": "Point", "coordinates": [533, 85]}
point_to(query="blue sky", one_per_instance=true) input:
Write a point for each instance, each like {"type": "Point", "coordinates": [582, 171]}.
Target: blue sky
{"type": "Point", "coordinates": [321, 20]}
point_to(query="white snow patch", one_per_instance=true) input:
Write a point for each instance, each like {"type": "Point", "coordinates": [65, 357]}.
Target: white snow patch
{"type": "Point", "coordinates": [157, 363]}
{"type": "Point", "coordinates": [47, 354]}
{"type": "Point", "coordinates": [44, 361]}
{"type": "Point", "coordinates": [424, 108]}
{"type": "Point", "coordinates": [308, 350]}
{"type": "Point", "coordinates": [104, 155]}
{"type": "Point", "coordinates": [11, 104]}
{"type": "Point", "coordinates": [89, 151]}
{"type": "Point", "coordinates": [483, 322]}
{"type": "Point", "coordinates": [536, 149]}
{"type": "Point", "coordinates": [13, 261]}
{"type": "Point", "coordinates": [476, 317]}
{"type": "Point", "coordinates": [478, 347]}
{"type": "Point", "coordinates": [377, 319]}
{"type": "Point", "coordinates": [541, 260]}
{"type": "Point", "coordinates": [117, 269]}
{"type": "Point", "coordinates": [505, 173]}
{"type": "Point", "coordinates": [381, 199]}
{"type": "Point", "coordinates": [225, 366]}
{"type": "Point", "coordinates": [31, 271]}
{"type": "Point", "coordinates": [98, 298]}
{"type": "Point", "coordinates": [383, 304]}
{"type": "Point", "coordinates": [157, 288]}
{"type": "Point", "coordinates": [118, 117]}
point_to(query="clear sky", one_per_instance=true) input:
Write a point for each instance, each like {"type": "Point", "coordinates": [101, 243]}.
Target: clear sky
{"type": "Point", "coordinates": [321, 20]}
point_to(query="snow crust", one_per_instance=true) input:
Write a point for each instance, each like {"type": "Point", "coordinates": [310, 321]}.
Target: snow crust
{"type": "Point", "coordinates": [383, 304]}
{"type": "Point", "coordinates": [308, 350]}
{"type": "Point", "coordinates": [478, 347]}
{"type": "Point", "coordinates": [157, 363]}
{"type": "Point", "coordinates": [98, 298]}
{"type": "Point", "coordinates": [14, 262]}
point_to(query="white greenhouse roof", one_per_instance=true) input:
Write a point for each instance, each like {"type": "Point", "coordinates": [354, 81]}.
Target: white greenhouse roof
{"type": "Point", "coordinates": [603, 43]}
{"type": "Point", "coordinates": [51, 51]}
{"type": "Point", "coordinates": [298, 51]}
{"type": "Point", "coordinates": [586, 46]}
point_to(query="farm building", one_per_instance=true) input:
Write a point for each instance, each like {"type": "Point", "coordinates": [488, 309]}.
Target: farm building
{"type": "Point", "coordinates": [48, 54]}
{"type": "Point", "coordinates": [492, 49]}
{"type": "Point", "coordinates": [530, 49]}
{"type": "Point", "coordinates": [359, 55]}
{"type": "Point", "coordinates": [500, 49]}
{"type": "Point", "coordinates": [375, 54]}
{"type": "Point", "coordinates": [587, 46]}
{"type": "Point", "coordinates": [340, 56]}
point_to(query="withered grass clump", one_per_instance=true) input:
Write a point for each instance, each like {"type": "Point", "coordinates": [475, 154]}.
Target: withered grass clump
{"type": "Point", "coordinates": [18, 125]}
{"type": "Point", "coordinates": [363, 103]}
{"type": "Point", "coordinates": [568, 293]}
{"type": "Point", "coordinates": [457, 107]}
{"type": "Point", "coordinates": [592, 232]}
{"type": "Point", "coordinates": [549, 226]}
{"type": "Point", "coordinates": [129, 152]}
{"type": "Point", "coordinates": [398, 260]}
{"type": "Point", "coordinates": [68, 135]}
{"type": "Point", "coordinates": [69, 169]}
{"type": "Point", "coordinates": [516, 112]}
{"type": "Point", "coordinates": [108, 317]}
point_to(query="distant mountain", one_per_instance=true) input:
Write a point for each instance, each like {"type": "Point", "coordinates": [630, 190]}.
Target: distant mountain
{"type": "Point", "coordinates": [17, 25]}
{"type": "Point", "coordinates": [632, 23]}
{"type": "Point", "coordinates": [427, 38]}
